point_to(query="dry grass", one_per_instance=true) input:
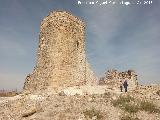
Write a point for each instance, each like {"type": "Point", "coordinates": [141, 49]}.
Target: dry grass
{"type": "Point", "coordinates": [132, 106]}
{"type": "Point", "coordinates": [149, 107]}
{"type": "Point", "coordinates": [8, 94]}
{"type": "Point", "coordinates": [129, 118]}
{"type": "Point", "coordinates": [93, 113]}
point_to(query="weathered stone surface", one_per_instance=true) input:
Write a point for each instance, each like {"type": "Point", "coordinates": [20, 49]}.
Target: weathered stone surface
{"type": "Point", "coordinates": [29, 112]}
{"type": "Point", "coordinates": [61, 60]}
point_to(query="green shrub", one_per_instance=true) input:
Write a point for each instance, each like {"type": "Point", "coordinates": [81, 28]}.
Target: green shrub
{"type": "Point", "coordinates": [129, 118]}
{"type": "Point", "coordinates": [61, 93]}
{"type": "Point", "coordinates": [92, 113]}
{"type": "Point", "coordinates": [149, 106]}
{"type": "Point", "coordinates": [131, 108]}
{"type": "Point", "coordinates": [122, 100]}
{"type": "Point", "coordinates": [158, 92]}
{"type": "Point", "coordinates": [107, 94]}
{"type": "Point", "coordinates": [125, 104]}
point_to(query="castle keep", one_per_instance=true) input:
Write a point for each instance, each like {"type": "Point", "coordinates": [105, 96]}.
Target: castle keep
{"type": "Point", "coordinates": [61, 59]}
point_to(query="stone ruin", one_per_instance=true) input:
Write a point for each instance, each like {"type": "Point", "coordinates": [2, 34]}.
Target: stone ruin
{"type": "Point", "coordinates": [113, 79]}
{"type": "Point", "coordinates": [61, 59]}
{"type": "Point", "coordinates": [61, 62]}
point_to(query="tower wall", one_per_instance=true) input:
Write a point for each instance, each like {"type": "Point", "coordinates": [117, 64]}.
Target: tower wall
{"type": "Point", "coordinates": [61, 59]}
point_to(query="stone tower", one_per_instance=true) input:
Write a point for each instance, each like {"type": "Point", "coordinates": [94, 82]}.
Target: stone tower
{"type": "Point", "coordinates": [61, 60]}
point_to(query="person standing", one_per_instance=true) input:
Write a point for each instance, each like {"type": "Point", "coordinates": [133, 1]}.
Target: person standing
{"type": "Point", "coordinates": [125, 84]}
{"type": "Point", "coordinates": [121, 86]}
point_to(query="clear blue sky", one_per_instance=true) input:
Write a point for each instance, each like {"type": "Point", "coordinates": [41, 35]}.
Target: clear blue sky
{"type": "Point", "coordinates": [117, 36]}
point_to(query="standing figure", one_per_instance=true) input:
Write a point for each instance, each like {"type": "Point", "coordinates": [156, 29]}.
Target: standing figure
{"type": "Point", "coordinates": [125, 84]}
{"type": "Point", "coordinates": [121, 86]}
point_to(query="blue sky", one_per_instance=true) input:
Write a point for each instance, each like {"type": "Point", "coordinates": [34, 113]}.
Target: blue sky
{"type": "Point", "coordinates": [117, 36]}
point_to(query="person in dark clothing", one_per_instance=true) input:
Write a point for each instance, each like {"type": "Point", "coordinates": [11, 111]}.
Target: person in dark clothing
{"type": "Point", "coordinates": [125, 84]}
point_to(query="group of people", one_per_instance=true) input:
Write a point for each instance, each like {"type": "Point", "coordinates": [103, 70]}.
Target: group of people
{"type": "Point", "coordinates": [123, 84]}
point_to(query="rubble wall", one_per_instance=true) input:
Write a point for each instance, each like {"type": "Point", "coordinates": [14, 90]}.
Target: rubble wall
{"type": "Point", "coordinates": [114, 78]}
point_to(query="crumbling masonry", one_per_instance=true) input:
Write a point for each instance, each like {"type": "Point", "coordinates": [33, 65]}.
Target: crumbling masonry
{"type": "Point", "coordinates": [114, 78]}
{"type": "Point", "coordinates": [61, 60]}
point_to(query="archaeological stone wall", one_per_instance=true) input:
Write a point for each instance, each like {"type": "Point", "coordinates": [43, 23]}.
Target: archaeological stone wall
{"type": "Point", "coordinates": [61, 59]}
{"type": "Point", "coordinates": [114, 78]}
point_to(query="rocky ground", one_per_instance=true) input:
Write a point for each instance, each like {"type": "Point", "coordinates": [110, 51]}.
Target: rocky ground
{"type": "Point", "coordinates": [108, 105]}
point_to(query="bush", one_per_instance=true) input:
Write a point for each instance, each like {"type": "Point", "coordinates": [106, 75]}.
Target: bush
{"type": "Point", "coordinates": [131, 108]}
{"type": "Point", "coordinates": [93, 113]}
{"type": "Point", "coordinates": [129, 118]}
{"type": "Point", "coordinates": [107, 94]}
{"type": "Point", "coordinates": [61, 93]}
{"type": "Point", "coordinates": [148, 106]}
{"type": "Point", "coordinates": [122, 100]}
{"type": "Point", "coordinates": [125, 104]}
{"type": "Point", "coordinates": [158, 92]}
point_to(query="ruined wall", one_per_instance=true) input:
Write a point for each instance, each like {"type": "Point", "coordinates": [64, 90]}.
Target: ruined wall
{"type": "Point", "coordinates": [61, 59]}
{"type": "Point", "coordinates": [114, 78]}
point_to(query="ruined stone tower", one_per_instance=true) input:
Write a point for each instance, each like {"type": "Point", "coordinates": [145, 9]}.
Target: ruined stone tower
{"type": "Point", "coordinates": [114, 78]}
{"type": "Point", "coordinates": [61, 59]}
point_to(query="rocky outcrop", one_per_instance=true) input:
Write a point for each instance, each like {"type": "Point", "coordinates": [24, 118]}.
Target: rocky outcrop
{"type": "Point", "coordinates": [61, 59]}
